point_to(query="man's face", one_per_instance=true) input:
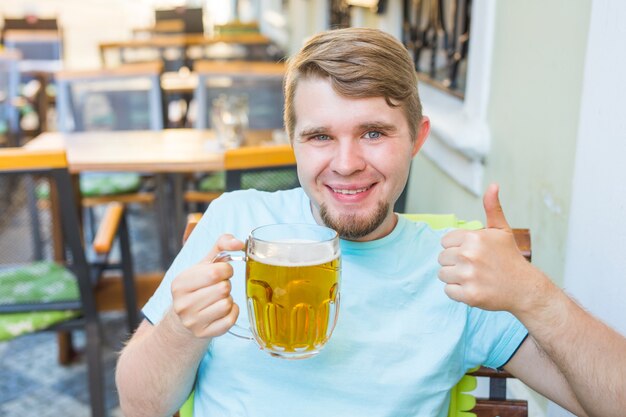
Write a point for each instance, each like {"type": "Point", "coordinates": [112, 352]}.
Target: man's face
{"type": "Point", "coordinates": [353, 158]}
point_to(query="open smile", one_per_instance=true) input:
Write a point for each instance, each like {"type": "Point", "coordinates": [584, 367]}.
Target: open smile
{"type": "Point", "coordinates": [350, 191]}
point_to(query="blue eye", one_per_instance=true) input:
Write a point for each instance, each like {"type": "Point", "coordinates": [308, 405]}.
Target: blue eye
{"type": "Point", "coordinates": [321, 137]}
{"type": "Point", "coordinates": [373, 135]}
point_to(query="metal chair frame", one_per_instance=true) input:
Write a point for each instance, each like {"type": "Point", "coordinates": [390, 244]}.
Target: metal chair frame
{"type": "Point", "coordinates": [87, 276]}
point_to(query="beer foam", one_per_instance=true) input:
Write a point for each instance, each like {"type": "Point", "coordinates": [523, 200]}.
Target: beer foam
{"type": "Point", "coordinates": [294, 252]}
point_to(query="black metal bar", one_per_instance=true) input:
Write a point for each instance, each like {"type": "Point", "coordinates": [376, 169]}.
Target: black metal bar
{"type": "Point", "coordinates": [178, 225]}
{"type": "Point", "coordinates": [31, 202]}
{"type": "Point", "coordinates": [400, 205]}
{"type": "Point", "coordinates": [130, 294]}
{"type": "Point", "coordinates": [233, 180]}
{"type": "Point", "coordinates": [72, 237]}
{"type": "Point", "coordinates": [497, 389]}
{"type": "Point", "coordinates": [162, 200]}
{"type": "Point", "coordinates": [95, 369]}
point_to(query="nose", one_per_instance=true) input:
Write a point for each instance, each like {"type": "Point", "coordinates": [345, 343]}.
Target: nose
{"type": "Point", "coordinates": [348, 158]}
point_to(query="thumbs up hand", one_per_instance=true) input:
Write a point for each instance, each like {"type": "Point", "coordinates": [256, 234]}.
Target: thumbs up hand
{"type": "Point", "coordinates": [484, 268]}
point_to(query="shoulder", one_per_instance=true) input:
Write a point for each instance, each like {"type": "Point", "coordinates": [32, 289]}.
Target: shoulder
{"type": "Point", "coordinates": [420, 235]}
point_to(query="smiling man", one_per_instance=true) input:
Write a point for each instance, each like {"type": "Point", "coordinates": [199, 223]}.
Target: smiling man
{"type": "Point", "coordinates": [403, 339]}
{"type": "Point", "coordinates": [353, 157]}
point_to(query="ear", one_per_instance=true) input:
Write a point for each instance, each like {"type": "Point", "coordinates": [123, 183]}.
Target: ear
{"type": "Point", "coordinates": [422, 133]}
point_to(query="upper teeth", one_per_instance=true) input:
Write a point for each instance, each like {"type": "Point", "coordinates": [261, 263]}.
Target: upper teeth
{"type": "Point", "coordinates": [359, 190]}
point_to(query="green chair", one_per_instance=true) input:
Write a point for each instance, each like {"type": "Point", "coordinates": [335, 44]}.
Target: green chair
{"type": "Point", "coordinates": [462, 402]}
{"type": "Point", "coordinates": [264, 168]}
{"type": "Point", "coordinates": [57, 291]}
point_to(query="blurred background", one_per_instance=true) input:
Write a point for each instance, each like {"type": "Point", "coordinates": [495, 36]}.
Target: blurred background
{"type": "Point", "coordinates": [524, 93]}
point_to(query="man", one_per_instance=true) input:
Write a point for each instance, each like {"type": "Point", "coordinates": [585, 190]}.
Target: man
{"type": "Point", "coordinates": [354, 118]}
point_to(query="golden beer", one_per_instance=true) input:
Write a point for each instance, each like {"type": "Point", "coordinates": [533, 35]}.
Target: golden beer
{"type": "Point", "coordinates": [293, 308]}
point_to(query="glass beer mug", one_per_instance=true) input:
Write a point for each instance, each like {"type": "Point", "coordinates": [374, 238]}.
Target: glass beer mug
{"type": "Point", "coordinates": [229, 119]}
{"type": "Point", "coordinates": [293, 276]}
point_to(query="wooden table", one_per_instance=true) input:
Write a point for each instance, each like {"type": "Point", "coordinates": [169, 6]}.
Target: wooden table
{"type": "Point", "coordinates": [166, 152]}
{"type": "Point", "coordinates": [254, 43]}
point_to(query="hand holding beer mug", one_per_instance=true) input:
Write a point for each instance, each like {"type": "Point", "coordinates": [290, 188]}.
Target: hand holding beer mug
{"type": "Point", "coordinates": [292, 287]}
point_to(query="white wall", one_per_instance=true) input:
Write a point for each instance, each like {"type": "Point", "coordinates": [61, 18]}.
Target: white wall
{"type": "Point", "coordinates": [596, 253]}
{"type": "Point", "coordinates": [595, 267]}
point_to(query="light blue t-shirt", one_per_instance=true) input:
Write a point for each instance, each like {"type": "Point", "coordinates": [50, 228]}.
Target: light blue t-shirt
{"type": "Point", "coordinates": [400, 343]}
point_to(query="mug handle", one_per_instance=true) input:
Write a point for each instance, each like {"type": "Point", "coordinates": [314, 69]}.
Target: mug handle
{"type": "Point", "coordinates": [228, 256]}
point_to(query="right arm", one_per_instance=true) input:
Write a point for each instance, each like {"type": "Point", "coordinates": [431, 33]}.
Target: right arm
{"type": "Point", "coordinates": [157, 368]}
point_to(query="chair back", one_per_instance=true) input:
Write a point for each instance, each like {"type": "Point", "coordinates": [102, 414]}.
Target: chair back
{"type": "Point", "coordinates": [9, 82]}
{"type": "Point", "coordinates": [52, 222]}
{"type": "Point", "coordinates": [124, 98]}
{"type": "Point", "coordinates": [189, 20]}
{"type": "Point", "coordinates": [35, 45]}
{"type": "Point", "coordinates": [265, 168]}
{"type": "Point", "coordinates": [261, 82]}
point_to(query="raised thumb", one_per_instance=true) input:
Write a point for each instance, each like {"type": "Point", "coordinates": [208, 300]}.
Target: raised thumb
{"type": "Point", "coordinates": [493, 209]}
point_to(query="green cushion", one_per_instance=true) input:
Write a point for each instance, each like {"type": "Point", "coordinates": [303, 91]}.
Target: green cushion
{"type": "Point", "coordinates": [270, 180]}
{"type": "Point", "coordinates": [264, 181]}
{"type": "Point", "coordinates": [100, 183]}
{"type": "Point", "coordinates": [461, 399]}
{"type": "Point", "coordinates": [213, 182]}
{"type": "Point", "coordinates": [36, 282]}
{"type": "Point", "coordinates": [187, 409]}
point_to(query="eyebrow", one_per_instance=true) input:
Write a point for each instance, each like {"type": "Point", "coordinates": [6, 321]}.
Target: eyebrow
{"type": "Point", "coordinates": [386, 127]}
{"type": "Point", "coordinates": [312, 131]}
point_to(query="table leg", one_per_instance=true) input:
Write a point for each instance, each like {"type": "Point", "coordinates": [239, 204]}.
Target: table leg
{"type": "Point", "coordinates": [163, 220]}
{"type": "Point", "coordinates": [179, 215]}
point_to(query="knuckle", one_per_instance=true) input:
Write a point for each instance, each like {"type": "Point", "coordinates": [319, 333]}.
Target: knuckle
{"type": "Point", "coordinates": [187, 322]}
{"type": "Point", "coordinates": [222, 289]}
{"type": "Point", "coordinates": [225, 304]}
{"type": "Point", "coordinates": [219, 271]}
{"type": "Point", "coordinates": [223, 240]}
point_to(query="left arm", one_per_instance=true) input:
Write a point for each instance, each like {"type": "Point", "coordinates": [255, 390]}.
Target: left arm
{"type": "Point", "coordinates": [571, 357]}
{"type": "Point", "coordinates": [534, 367]}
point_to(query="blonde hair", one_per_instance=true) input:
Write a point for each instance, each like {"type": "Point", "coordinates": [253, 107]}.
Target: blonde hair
{"type": "Point", "coordinates": [360, 63]}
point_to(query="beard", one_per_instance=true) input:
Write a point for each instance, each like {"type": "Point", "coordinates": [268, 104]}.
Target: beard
{"type": "Point", "coordinates": [352, 226]}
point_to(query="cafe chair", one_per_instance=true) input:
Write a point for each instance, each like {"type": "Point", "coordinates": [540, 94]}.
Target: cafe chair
{"type": "Point", "coordinates": [268, 167]}
{"type": "Point", "coordinates": [463, 403]}
{"type": "Point", "coordinates": [59, 290]}
{"type": "Point", "coordinates": [123, 98]}
{"type": "Point", "coordinates": [260, 83]}
{"type": "Point", "coordinates": [35, 45]}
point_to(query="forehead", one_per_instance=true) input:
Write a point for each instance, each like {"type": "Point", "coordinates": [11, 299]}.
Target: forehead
{"type": "Point", "coordinates": [317, 104]}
